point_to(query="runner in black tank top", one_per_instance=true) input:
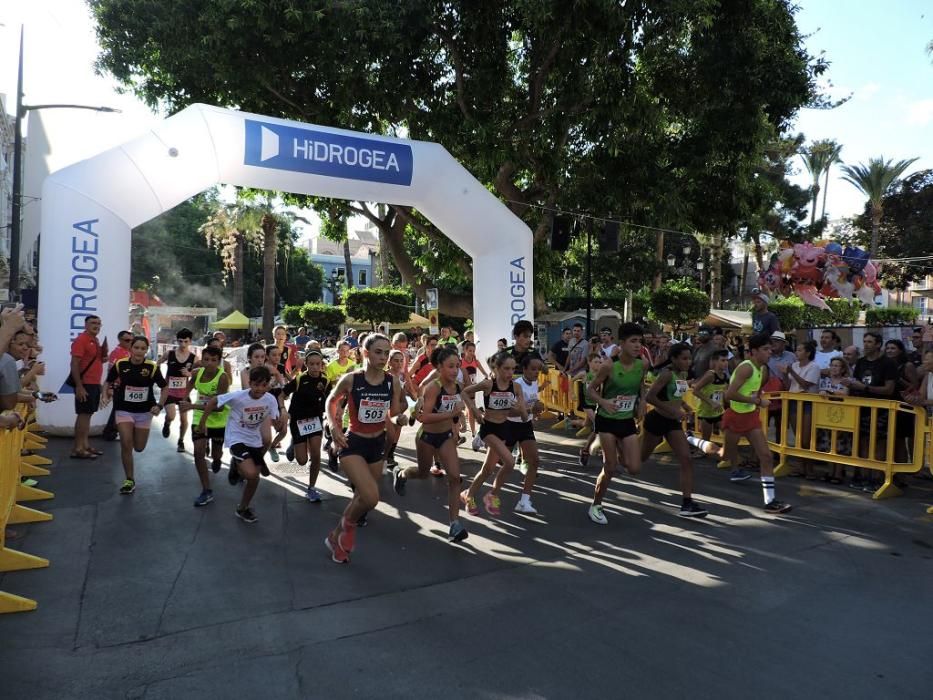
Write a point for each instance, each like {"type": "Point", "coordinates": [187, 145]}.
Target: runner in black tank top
{"type": "Point", "coordinates": [279, 380]}
{"type": "Point", "coordinates": [442, 404]}
{"type": "Point", "coordinates": [179, 362]}
{"type": "Point", "coordinates": [309, 391]}
{"type": "Point", "coordinates": [372, 396]}
{"type": "Point", "coordinates": [501, 401]}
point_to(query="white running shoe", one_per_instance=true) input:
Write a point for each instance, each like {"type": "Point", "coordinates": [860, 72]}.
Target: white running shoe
{"type": "Point", "coordinates": [478, 444]}
{"type": "Point", "coordinates": [525, 507]}
{"type": "Point", "coordinates": [596, 515]}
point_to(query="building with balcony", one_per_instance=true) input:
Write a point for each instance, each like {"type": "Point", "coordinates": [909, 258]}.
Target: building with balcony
{"type": "Point", "coordinates": [364, 251]}
{"type": "Point", "coordinates": [7, 140]}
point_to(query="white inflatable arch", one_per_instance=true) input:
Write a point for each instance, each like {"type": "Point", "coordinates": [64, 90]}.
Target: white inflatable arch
{"type": "Point", "coordinates": [89, 209]}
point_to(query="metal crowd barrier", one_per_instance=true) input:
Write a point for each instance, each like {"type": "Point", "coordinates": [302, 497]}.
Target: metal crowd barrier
{"type": "Point", "coordinates": [834, 431]}
{"type": "Point", "coordinates": [13, 466]}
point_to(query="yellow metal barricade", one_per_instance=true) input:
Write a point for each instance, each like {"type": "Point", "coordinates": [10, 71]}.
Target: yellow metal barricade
{"type": "Point", "coordinates": [11, 463]}
{"type": "Point", "coordinates": [856, 432]}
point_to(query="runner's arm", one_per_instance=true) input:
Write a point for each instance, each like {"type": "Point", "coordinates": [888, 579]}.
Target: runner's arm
{"type": "Point", "coordinates": [594, 388]}
{"type": "Point", "coordinates": [470, 391]}
{"type": "Point", "coordinates": [664, 407]}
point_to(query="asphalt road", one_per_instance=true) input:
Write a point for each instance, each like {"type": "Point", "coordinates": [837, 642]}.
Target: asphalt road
{"type": "Point", "coordinates": [148, 597]}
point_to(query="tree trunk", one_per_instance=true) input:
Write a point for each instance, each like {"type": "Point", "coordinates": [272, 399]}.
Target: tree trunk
{"type": "Point", "coordinates": [825, 190]}
{"type": "Point", "coordinates": [238, 275]}
{"type": "Point", "coordinates": [875, 230]}
{"type": "Point", "coordinates": [458, 305]}
{"type": "Point", "coordinates": [759, 253]}
{"type": "Point", "coordinates": [715, 271]}
{"type": "Point", "coordinates": [814, 198]}
{"type": "Point", "coordinates": [348, 282]}
{"type": "Point", "coordinates": [659, 256]}
{"type": "Point", "coordinates": [383, 252]}
{"type": "Point", "coordinates": [269, 242]}
{"type": "Point", "coordinates": [742, 280]}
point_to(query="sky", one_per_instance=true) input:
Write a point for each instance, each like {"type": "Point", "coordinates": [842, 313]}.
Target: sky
{"type": "Point", "coordinates": [877, 52]}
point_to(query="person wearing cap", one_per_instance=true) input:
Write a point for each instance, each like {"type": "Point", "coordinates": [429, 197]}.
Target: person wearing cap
{"type": "Point", "coordinates": [781, 358]}
{"type": "Point", "coordinates": [607, 348]}
{"type": "Point", "coordinates": [763, 321]}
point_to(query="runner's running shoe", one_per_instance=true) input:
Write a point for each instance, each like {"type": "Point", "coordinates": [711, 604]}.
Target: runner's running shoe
{"type": "Point", "coordinates": [313, 495]}
{"type": "Point", "coordinates": [777, 507]}
{"type": "Point", "coordinates": [596, 514]}
{"type": "Point", "coordinates": [692, 509]}
{"type": "Point", "coordinates": [398, 481]}
{"type": "Point", "coordinates": [347, 537]}
{"type": "Point", "coordinates": [469, 503]}
{"type": "Point", "coordinates": [246, 515]}
{"type": "Point", "coordinates": [337, 553]}
{"type": "Point", "coordinates": [525, 507]}
{"type": "Point", "coordinates": [457, 533]}
{"type": "Point", "coordinates": [128, 487]}
{"type": "Point", "coordinates": [492, 503]}
{"type": "Point", "coordinates": [206, 497]}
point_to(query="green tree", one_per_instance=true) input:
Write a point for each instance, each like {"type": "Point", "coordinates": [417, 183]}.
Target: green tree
{"type": "Point", "coordinates": [170, 258]}
{"type": "Point", "coordinates": [646, 111]}
{"type": "Point", "coordinates": [874, 180]}
{"type": "Point", "coordinates": [819, 159]}
{"type": "Point", "coordinates": [678, 303]}
{"type": "Point", "coordinates": [376, 304]}
{"type": "Point", "coordinates": [906, 230]}
{"type": "Point", "coordinates": [323, 317]}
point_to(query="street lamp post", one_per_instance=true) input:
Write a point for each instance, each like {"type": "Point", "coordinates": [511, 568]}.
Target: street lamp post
{"type": "Point", "coordinates": [21, 111]}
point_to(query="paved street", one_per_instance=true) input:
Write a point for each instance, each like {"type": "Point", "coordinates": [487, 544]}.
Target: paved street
{"type": "Point", "coordinates": [148, 597]}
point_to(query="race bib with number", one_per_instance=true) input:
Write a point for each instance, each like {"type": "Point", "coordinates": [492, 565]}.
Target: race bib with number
{"type": "Point", "coordinates": [253, 416]}
{"type": "Point", "coordinates": [448, 401]}
{"type": "Point", "coordinates": [373, 411]}
{"type": "Point", "coordinates": [306, 426]}
{"type": "Point", "coordinates": [136, 394]}
{"type": "Point", "coordinates": [680, 388]}
{"type": "Point", "coordinates": [501, 400]}
{"type": "Point", "coordinates": [624, 403]}
{"type": "Point", "coordinates": [177, 382]}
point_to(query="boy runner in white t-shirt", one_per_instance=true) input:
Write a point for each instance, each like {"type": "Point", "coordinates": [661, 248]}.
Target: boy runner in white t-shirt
{"type": "Point", "coordinates": [248, 433]}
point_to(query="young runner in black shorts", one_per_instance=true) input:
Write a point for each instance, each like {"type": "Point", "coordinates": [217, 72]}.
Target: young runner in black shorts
{"type": "Point", "coordinates": [308, 391]}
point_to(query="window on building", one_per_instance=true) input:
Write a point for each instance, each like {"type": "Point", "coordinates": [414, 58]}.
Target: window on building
{"type": "Point", "coordinates": [362, 282]}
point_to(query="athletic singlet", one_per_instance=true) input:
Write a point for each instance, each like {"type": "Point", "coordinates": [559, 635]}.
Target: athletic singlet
{"type": "Point", "coordinates": [177, 382]}
{"type": "Point", "coordinates": [206, 391]}
{"type": "Point", "coordinates": [369, 405]}
{"type": "Point", "coordinates": [714, 391]}
{"type": "Point", "coordinates": [471, 366]}
{"type": "Point", "coordinates": [444, 402]}
{"type": "Point", "coordinates": [275, 384]}
{"type": "Point", "coordinates": [309, 396]}
{"type": "Point", "coordinates": [623, 388]}
{"type": "Point", "coordinates": [498, 399]}
{"type": "Point", "coordinates": [530, 394]}
{"type": "Point", "coordinates": [587, 380]}
{"type": "Point", "coordinates": [676, 388]}
{"type": "Point", "coordinates": [132, 384]}
{"type": "Point", "coordinates": [751, 385]}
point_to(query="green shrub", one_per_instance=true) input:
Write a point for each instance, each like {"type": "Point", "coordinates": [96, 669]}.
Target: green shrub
{"type": "Point", "coordinates": [891, 316]}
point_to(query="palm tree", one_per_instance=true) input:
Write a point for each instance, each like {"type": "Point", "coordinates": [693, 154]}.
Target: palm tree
{"type": "Point", "coordinates": [229, 230]}
{"type": "Point", "coordinates": [814, 160]}
{"type": "Point", "coordinates": [832, 157]}
{"type": "Point", "coordinates": [874, 180]}
{"type": "Point", "coordinates": [818, 160]}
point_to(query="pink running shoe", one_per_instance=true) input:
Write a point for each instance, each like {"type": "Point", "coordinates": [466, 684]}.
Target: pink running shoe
{"type": "Point", "coordinates": [491, 502]}
{"type": "Point", "coordinates": [347, 537]}
{"type": "Point", "coordinates": [337, 553]}
{"type": "Point", "coordinates": [469, 503]}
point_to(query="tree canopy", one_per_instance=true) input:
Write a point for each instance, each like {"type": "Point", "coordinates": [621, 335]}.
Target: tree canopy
{"type": "Point", "coordinates": [648, 111]}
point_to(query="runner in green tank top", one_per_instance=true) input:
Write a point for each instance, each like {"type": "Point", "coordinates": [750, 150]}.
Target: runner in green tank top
{"type": "Point", "coordinates": [588, 405]}
{"type": "Point", "coordinates": [209, 380]}
{"type": "Point", "coordinates": [710, 392]}
{"type": "Point", "coordinates": [741, 419]}
{"type": "Point", "coordinates": [665, 422]}
{"type": "Point", "coordinates": [618, 391]}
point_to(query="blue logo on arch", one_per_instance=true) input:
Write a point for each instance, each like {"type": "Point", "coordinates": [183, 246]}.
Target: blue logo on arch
{"type": "Point", "coordinates": [332, 155]}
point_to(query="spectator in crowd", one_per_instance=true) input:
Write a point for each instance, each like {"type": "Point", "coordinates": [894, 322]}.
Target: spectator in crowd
{"type": "Point", "coordinates": [351, 339]}
{"type": "Point", "coordinates": [577, 349]}
{"type": "Point", "coordinates": [915, 356]}
{"type": "Point", "coordinates": [828, 351]}
{"type": "Point", "coordinates": [804, 378]}
{"type": "Point", "coordinates": [608, 348]}
{"type": "Point", "coordinates": [702, 350]}
{"type": "Point", "coordinates": [781, 358]}
{"type": "Point", "coordinates": [907, 381]}
{"type": "Point", "coordinates": [559, 354]}
{"type": "Point", "coordinates": [763, 320]}
{"type": "Point", "coordinates": [302, 338]}
{"type": "Point", "coordinates": [875, 377]}
{"type": "Point", "coordinates": [12, 321]}
{"type": "Point", "coordinates": [87, 372]}
{"type": "Point", "coordinates": [851, 355]}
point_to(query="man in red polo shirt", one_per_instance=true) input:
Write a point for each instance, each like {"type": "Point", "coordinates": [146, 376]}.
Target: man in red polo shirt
{"type": "Point", "coordinates": [87, 371]}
